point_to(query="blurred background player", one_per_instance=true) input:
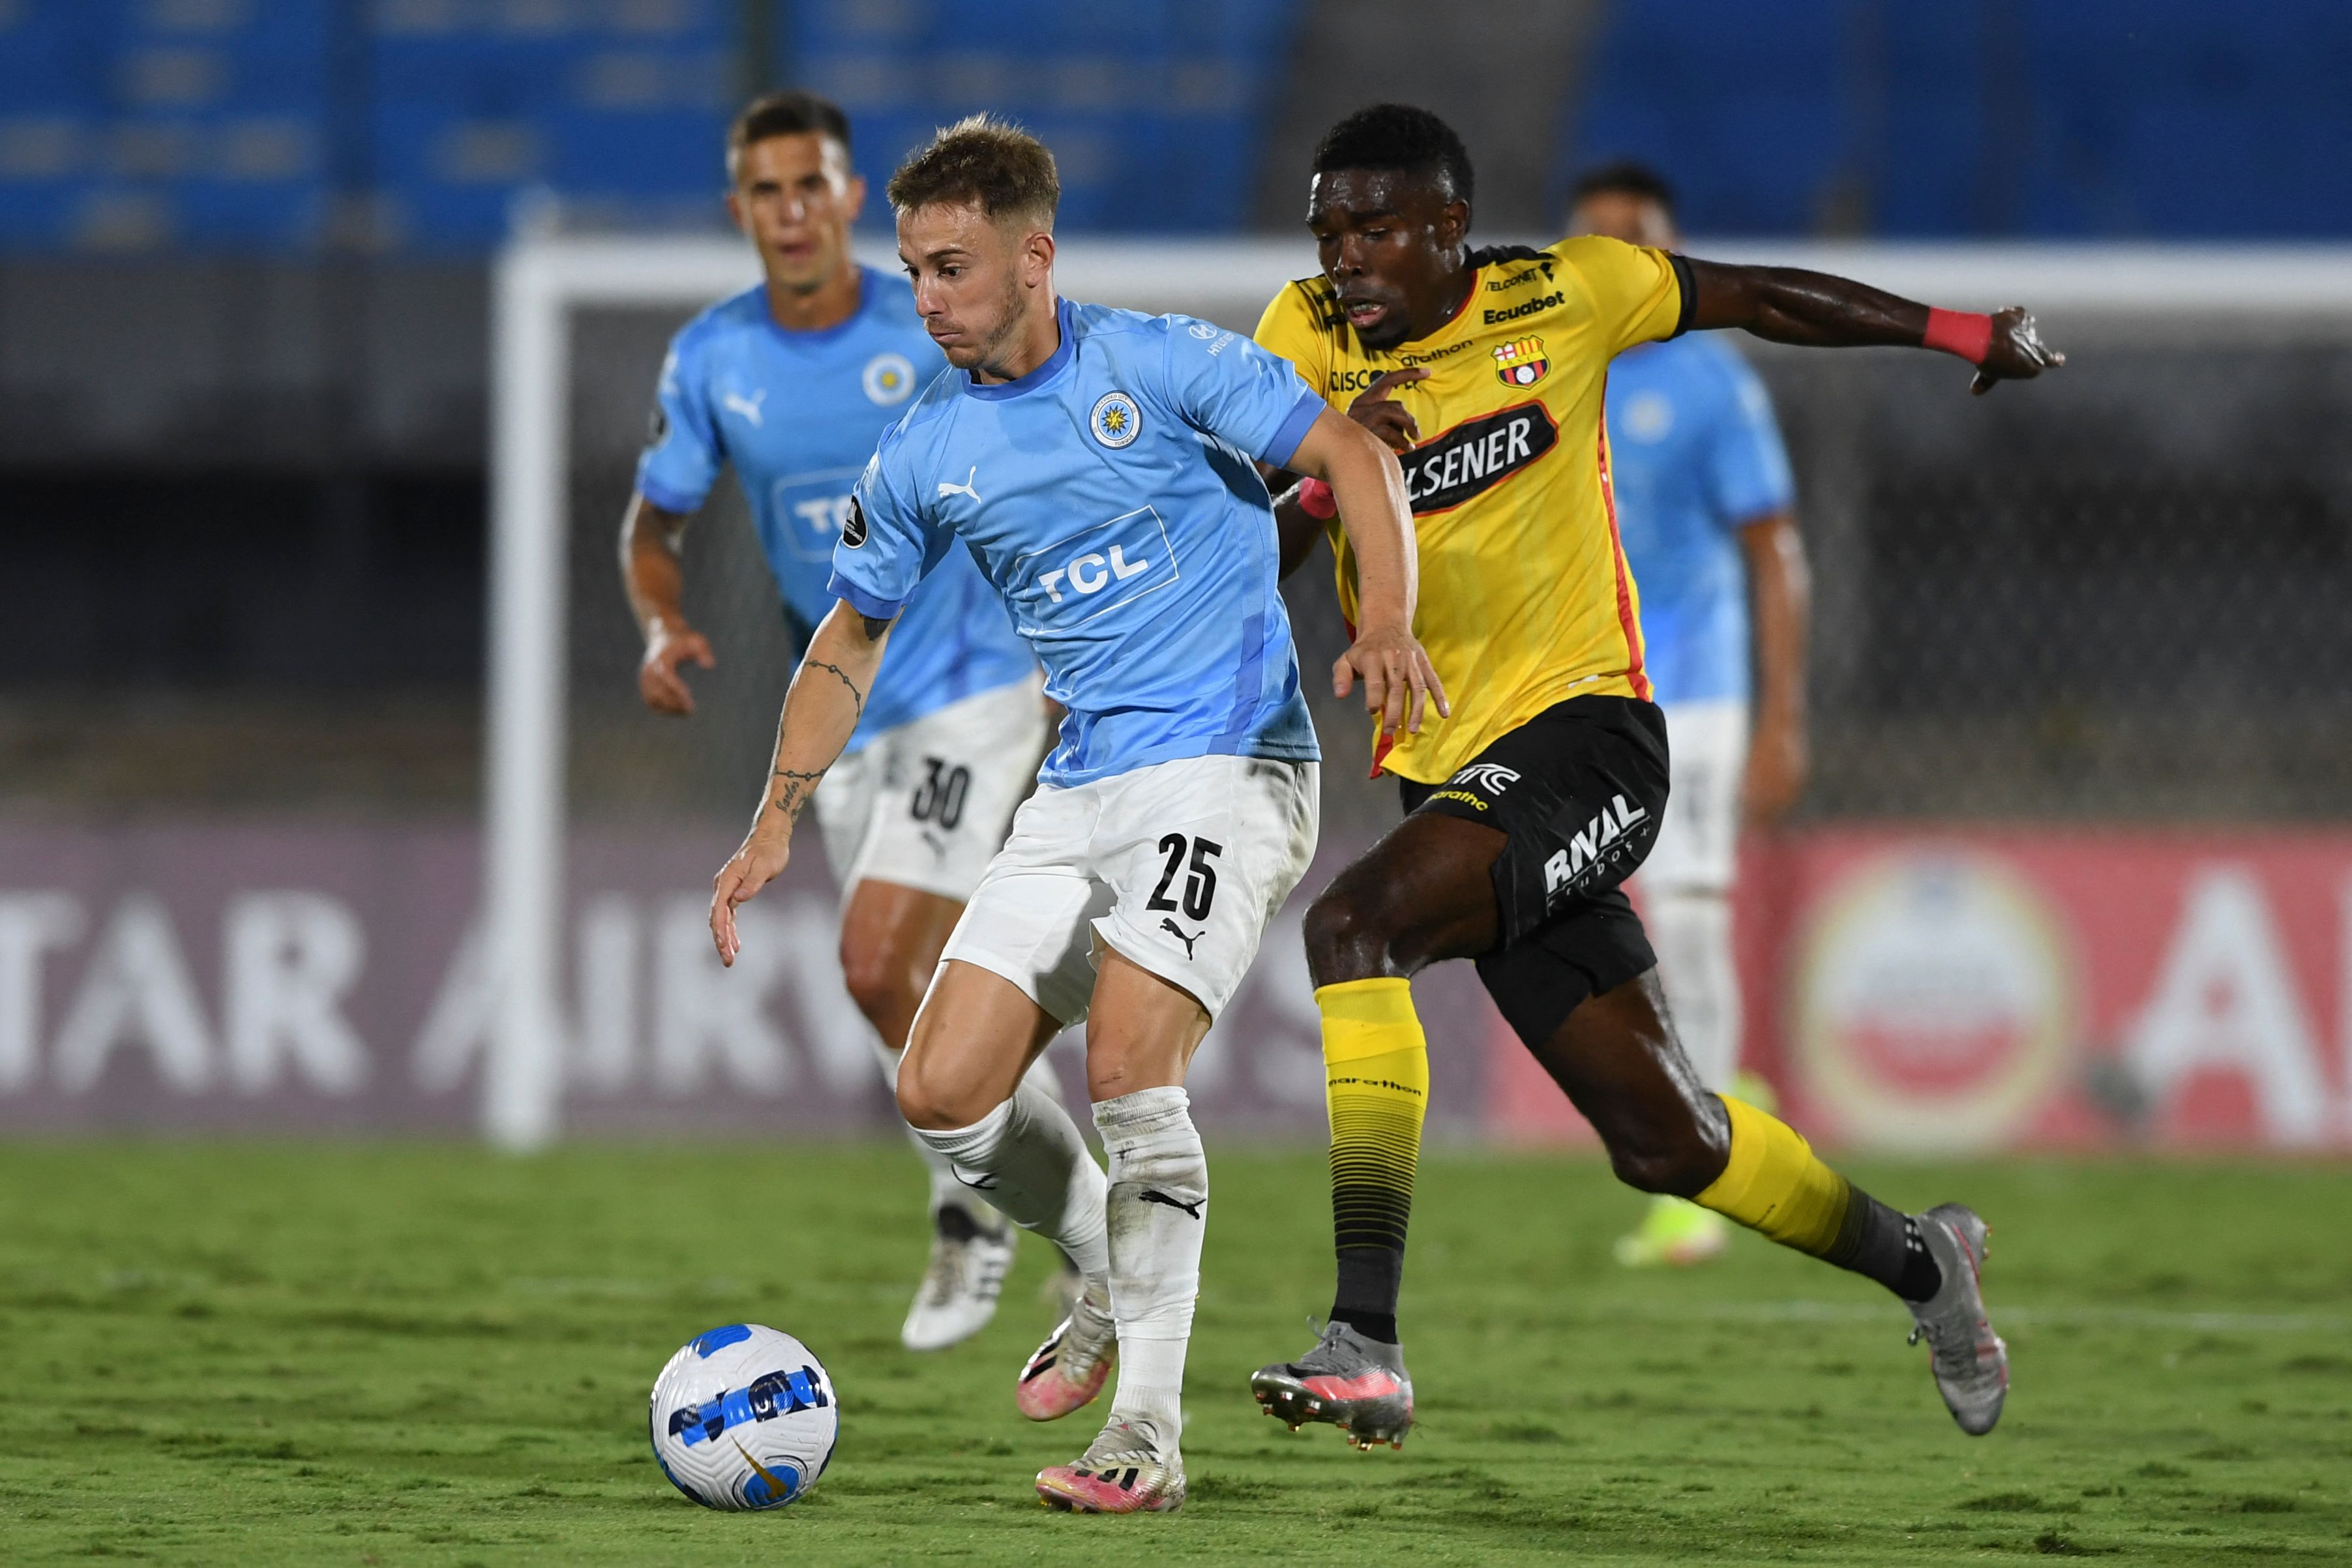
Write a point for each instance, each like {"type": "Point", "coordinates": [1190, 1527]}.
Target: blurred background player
{"type": "Point", "coordinates": [1704, 500]}
{"type": "Point", "coordinates": [793, 382]}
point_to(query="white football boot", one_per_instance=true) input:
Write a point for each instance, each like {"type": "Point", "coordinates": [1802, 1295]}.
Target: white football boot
{"type": "Point", "coordinates": [957, 1295]}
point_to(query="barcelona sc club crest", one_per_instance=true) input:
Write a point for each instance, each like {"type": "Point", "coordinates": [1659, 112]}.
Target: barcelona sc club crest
{"type": "Point", "coordinates": [1520, 362]}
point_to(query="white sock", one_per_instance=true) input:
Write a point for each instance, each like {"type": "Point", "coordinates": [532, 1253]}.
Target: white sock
{"type": "Point", "coordinates": [946, 1191]}
{"type": "Point", "coordinates": [1692, 933]}
{"type": "Point", "coordinates": [1035, 1169]}
{"type": "Point", "coordinates": [1158, 1209]}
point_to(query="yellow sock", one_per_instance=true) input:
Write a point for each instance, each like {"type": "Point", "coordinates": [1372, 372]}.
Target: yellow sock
{"type": "Point", "coordinates": [1774, 1183]}
{"type": "Point", "coordinates": [1376, 1086]}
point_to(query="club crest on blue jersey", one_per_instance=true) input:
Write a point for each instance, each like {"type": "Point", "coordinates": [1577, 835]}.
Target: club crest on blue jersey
{"type": "Point", "coordinates": [1116, 421]}
{"type": "Point", "coordinates": [889, 379]}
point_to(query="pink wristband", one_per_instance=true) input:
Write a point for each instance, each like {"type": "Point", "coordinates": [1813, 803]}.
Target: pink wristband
{"type": "Point", "coordinates": [1961, 332]}
{"type": "Point", "coordinates": [1315, 500]}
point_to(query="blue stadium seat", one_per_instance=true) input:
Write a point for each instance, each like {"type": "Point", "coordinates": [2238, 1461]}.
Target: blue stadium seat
{"type": "Point", "coordinates": [614, 109]}
{"type": "Point", "coordinates": [1155, 109]}
{"type": "Point", "coordinates": [2187, 118]}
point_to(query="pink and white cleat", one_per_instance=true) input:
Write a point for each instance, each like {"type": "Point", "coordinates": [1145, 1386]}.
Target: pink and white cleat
{"type": "Point", "coordinates": [1356, 1383]}
{"type": "Point", "coordinates": [1126, 1469]}
{"type": "Point", "coordinates": [1071, 1367]}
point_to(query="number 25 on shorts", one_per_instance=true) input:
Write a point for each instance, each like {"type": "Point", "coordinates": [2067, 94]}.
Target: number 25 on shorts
{"type": "Point", "coordinates": [1200, 883]}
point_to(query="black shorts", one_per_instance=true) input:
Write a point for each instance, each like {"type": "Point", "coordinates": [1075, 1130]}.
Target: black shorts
{"type": "Point", "coordinates": [1579, 790]}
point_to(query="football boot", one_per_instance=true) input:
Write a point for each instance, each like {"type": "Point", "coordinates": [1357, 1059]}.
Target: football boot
{"type": "Point", "coordinates": [1126, 1469]}
{"type": "Point", "coordinates": [957, 1295]}
{"type": "Point", "coordinates": [1970, 1362]}
{"type": "Point", "coordinates": [1356, 1383]}
{"type": "Point", "coordinates": [1071, 1367]}
{"type": "Point", "coordinates": [1677, 1234]}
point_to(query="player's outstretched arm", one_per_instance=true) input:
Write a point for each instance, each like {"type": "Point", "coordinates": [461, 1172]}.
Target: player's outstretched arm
{"type": "Point", "coordinates": [1368, 488]}
{"type": "Point", "coordinates": [1813, 309]}
{"type": "Point", "coordinates": [650, 538]}
{"type": "Point", "coordinates": [820, 709]}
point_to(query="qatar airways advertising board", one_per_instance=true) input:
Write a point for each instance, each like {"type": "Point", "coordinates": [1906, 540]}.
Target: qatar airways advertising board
{"type": "Point", "coordinates": [1922, 992]}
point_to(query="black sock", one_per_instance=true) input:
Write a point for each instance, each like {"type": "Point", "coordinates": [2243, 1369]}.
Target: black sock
{"type": "Point", "coordinates": [1884, 1244]}
{"type": "Point", "coordinates": [1370, 1278]}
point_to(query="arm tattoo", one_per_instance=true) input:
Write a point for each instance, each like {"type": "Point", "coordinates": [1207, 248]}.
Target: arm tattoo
{"type": "Point", "coordinates": [797, 791]}
{"type": "Point", "coordinates": [855, 694]}
{"type": "Point", "coordinates": [876, 625]}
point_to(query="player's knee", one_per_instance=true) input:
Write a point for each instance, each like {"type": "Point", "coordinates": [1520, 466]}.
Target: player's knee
{"type": "Point", "coordinates": [878, 978]}
{"type": "Point", "coordinates": [1349, 935]}
{"type": "Point", "coordinates": [931, 1104]}
{"type": "Point", "coordinates": [1676, 1158]}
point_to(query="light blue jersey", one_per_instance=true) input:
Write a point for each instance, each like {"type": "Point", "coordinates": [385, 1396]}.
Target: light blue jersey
{"type": "Point", "coordinates": [1695, 457]}
{"type": "Point", "coordinates": [1109, 496]}
{"type": "Point", "coordinates": [798, 414]}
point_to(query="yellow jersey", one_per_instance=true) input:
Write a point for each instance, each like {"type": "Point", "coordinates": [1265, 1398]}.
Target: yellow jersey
{"type": "Point", "coordinates": [1525, 599]}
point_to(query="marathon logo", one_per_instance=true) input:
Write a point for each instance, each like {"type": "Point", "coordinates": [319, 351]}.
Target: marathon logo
{"type": "Point", "coordinates": [1599, 840]}
{"type": "Point", "coordinates": [1525, 307]}
{"type": "Point", "coordinates": [1475, 455]}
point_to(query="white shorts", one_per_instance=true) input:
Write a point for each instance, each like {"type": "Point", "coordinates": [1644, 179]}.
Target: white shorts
{"type": "Point", "coordinates": [1177, 867]}
{"type": "Point", "coordinates": [924, 805]}
{"type": "Point", "coordinates": [1699, 838]}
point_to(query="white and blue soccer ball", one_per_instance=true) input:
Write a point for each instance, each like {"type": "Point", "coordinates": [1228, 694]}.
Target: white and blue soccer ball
{"type": "Point", "coordinates": [743, 1417]}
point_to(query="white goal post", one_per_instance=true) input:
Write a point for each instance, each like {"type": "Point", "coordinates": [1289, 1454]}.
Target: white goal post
{"type": "Point", "coordinates": [542, 279]}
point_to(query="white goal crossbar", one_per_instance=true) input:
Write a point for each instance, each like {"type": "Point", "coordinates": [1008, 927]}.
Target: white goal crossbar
{"type": "Point", "coordinates": [541, 280]}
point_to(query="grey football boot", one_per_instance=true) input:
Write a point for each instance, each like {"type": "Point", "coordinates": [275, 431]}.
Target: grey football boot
{"type": "Point", "coordinates": [1970, 1362]}
{"type": "Point", "coordinates": [1356, 1383]}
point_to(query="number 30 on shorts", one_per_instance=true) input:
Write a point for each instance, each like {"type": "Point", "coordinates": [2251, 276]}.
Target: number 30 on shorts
{"type": "Point", "coordinates": [939, 796]}
{"type": "Point", "coordinates": [1200, 883]}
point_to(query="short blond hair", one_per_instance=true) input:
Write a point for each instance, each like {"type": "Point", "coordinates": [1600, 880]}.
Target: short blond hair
{"type": "Point", "coordinates": [986, 162]}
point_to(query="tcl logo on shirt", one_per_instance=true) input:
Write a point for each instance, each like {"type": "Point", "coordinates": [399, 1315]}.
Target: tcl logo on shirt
{"type": "Point", "coordinates": [1091, 571]}
{"type": "Point", "coordinates": [1476, 454]}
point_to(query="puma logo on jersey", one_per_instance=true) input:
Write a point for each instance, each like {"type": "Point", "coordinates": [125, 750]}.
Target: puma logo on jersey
{"type": "Point", "coordinates": [1177, 931]}
{"type": "Point", "coordinates": [963, 489]}
{"type": "Point", "coordinates": [1192, 1208]}
{"type": "Point", "coordinates": [1591, 845]}
{"type": "Point", "coordinates": [1491, 777]}
{"type": "Point", "coordinates": [749, 407]}
{"type": "Point", "coordinates": [1091, 573]}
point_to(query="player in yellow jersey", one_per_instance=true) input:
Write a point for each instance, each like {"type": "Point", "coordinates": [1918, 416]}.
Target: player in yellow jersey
{"type": "Point", "coordinates": [1527, 808]}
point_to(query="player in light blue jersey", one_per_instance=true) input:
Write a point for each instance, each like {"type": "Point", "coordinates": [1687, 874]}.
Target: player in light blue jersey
{"type": "Point", "coordinates": [791, 384]}
{"type": "Point", "coordinates": [1100, 467]}
{"type": "Point", "coordinates": [1704, 501]}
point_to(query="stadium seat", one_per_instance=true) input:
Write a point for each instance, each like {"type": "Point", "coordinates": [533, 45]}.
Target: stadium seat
{"type": "Point", "coordinates": [1979, 117]}
{"type": "Point", "coordinates": [1154, 111]}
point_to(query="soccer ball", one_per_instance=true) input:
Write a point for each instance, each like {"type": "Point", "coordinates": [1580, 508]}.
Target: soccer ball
{"type": "Point", "coordinates": [743, 1417]}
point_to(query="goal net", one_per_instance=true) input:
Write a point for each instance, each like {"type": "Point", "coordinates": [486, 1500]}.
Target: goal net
{"type": "Point", "coordinates": [2118, 595]}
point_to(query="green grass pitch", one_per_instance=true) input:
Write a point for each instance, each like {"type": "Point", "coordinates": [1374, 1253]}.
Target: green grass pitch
{"type": "Point", "coordinates": [425, 1354]}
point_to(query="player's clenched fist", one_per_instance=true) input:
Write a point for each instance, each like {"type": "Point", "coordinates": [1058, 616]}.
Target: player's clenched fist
{"type": "Point", "coordinates": [2015, 353]}
{"type": "Point", "coordinates": [667, 647]}
{"type": "Point", "coordinates": [759, 862]}
{"type": "Point", "coordinates": [1399, 679]}
{"type": "Point", "coordinates": [1385, 417]}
